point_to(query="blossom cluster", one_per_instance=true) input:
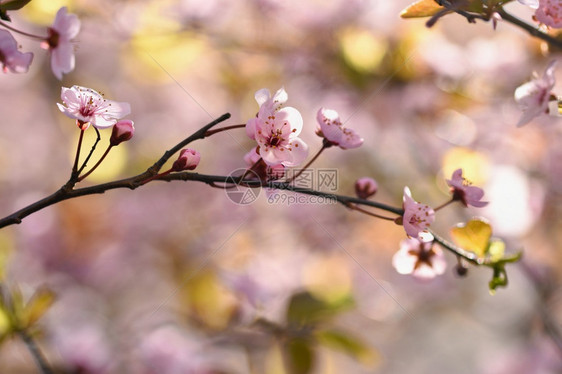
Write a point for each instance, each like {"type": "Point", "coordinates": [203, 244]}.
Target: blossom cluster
{"type": "Point", "coordinates": [59, 41]}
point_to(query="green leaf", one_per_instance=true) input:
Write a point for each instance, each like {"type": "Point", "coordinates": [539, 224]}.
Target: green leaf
{"type": "Point", "coordinates": [348, 344]}
{"type": "Point", "coordinates": [496, 250]}
{"type": "Point", "coordinates": [473, 236]}
{"type": "Point", "coordinates": [499, 279]}
{"type": "Point", "coordinates": [13, 4]}
{"type": "Point", "coordinates": [300, 356]}
{"type": "Point", "coordinates": [421, 8]}
{"type": "Point", "coordinates": [305, 309]}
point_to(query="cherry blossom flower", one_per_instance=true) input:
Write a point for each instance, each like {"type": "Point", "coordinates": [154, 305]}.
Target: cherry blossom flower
{"type": "Point", "coordinates": [332, 130]}
{"type": "Point", "coordinates": [533, 97]}
{"type": "Point", "coordinates": [259, 167]}
{"type": "Point", "coordinates": [276, 130]}
{"type": "Point", "coordinates": [60, 42]}
{"type": "Point", "coordinates": [87, 106]}
{"type": "Point", "coordinates": [187, 160]}
{"type": "Point", "coordinates": [419, 257]}
{"type": "Point", "coordinates": [122, 131]}
{"type": "Point", "coordinates": [365, 187]}
{"type": "Point", "coordinates": [463, 190]}
{"type": "Point", "coordinates": [549, 12]}
{"type": "Point", "coordinates": [10, 57]}
{"type": "Point", "coordinates": [417, 217]}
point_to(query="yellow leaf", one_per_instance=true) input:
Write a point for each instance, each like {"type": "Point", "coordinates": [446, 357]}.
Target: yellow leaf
{"type": "Point", "coordinates": [421, 8]}
{"type": "Point", "coordinates": [37, 306]}
{"type": "Point", "coordinates": [473, 236]}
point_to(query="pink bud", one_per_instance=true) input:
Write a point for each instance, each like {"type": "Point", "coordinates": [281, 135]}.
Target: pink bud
{"type": "Point", "coordinates": [365, 187]}
{"type": "Point", "coordinates": [188, 160]}
{"type": "Point", "coordinates": [122, 131]}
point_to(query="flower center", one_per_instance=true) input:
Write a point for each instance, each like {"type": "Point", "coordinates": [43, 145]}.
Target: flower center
{"type": "Point", "coordinates": [53, 39]}
{"type": "Point", "coordinates": [89, 108]}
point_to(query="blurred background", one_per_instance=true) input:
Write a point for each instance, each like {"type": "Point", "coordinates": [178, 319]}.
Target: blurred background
{"type": "Point", "coordinates": [176, 278]}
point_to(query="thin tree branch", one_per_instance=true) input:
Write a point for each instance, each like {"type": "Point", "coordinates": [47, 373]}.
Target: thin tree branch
{"type": "Point", "coordinates": [68, 192]}
{"type": "Point", "coordinates": [33, 348]}
{"type": "Point", "coordinates": [534, 31]}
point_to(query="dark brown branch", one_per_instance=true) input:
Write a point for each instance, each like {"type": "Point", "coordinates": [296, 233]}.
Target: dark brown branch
{"type": "Point", "coordinates": [534, 31]}
{"type": "Point", "coordinates": [67, 192]}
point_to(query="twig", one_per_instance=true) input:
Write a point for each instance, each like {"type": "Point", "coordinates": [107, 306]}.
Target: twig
{"type": "Point", "coordinates": [35, 352]}
{"type": "Point", "coordinates": [534, 31]}
{"type": "Point", "coordinates": [68, 192]}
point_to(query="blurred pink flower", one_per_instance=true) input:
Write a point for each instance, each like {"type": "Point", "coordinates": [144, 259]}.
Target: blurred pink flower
{"type": "Point", "coordinates": [419, 257]}
{"type": "Point", "coordinates": [365, 187]}
{"type": "Point", "coordinates": [331, 129]}
{"type": "Point", "coordinates": [87, 106]}
{"type": "Point", "coordinates": [276, 130]}
{"type": "Point", "coordinates": [417, 217]}
{"type": "Point", "coordinates": [549, 13]}
{"type": "Point", "coordinates": [60, 42]}
{"type": "Point", "coordinates": [171, 350]}
{"type": "Point", "coordinates": [10, 58]}
{"type": "Point", "coordinates": [464, 192]}
{"type": "Point", "coordinates": [187, 160]}
{"type": "Point", "coordinates": [532, 97]}
{"type": "Point", "coordinates": [122, 132]}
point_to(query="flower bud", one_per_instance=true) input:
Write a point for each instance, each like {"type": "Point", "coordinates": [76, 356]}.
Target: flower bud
{"type": "Point", "coordinates": [122, 131]}
{"type": "Point", "coordinates": [187, 160]}
{"type": "Point", "coordinates": [365, 187]}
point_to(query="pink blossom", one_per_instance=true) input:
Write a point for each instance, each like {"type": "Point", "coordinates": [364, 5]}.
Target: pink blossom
{"type": "Point", "coordinates": [60, 42]}
{"type": "Point", "coordinates": [259, 167]}
{"type": "Point", "coordinates": [89, 107]}
{"type": "Point", "coordinates": [187, 160]}
{"type": "Point", "coordinates": [276, 130]}
{"type": "Point", "coordinates": [533, 97]}
{"type": "Point", "coordinates": [464, 192]}
{"type": "Point", "coordinates": [332, 130]}
{"type": "Point", "coordinates": [10, 58]}
{"type": "Point", "coordinates": [365, 187]}
{"type": "Point", "coordinates": [417, 217]}
{"type": "Point", "coordinates": [549, 13]}
{"type": "Point", "coordinates": [122, 131]}
{"type": "Point", "coordinates": [419, 257]}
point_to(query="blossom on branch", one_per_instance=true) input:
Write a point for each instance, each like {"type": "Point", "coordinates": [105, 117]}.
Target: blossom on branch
{"type": "Point", "coordinates": [260, 168]}
{"type": "Point", "coordinates": [331, 129]}
{"type": "Point", "coordinates": [365, 187]}
{"type": "Point", "coordinates": [464, 192]}
{"type": "Point", "coordinates": [88, 106]}
{"type": "Point", "coordinates": [60, 42]}
{"type": "Point", "coordinates": [549, 12]}
{"type": "Point", "coordinates": [417, 217]}
{"type": "Point", "coordinates": [122, 132]}
{"type": "Point", "coordinates": [187, 160]}
{"type": "Point", "coordinates": [276, 130]}
{"type": "Point", "coordinates": [418, 256]}
{"type": "Point", "coordinates": [11, 58]}
{"type": "Point", "coordinates": [533, 97]}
